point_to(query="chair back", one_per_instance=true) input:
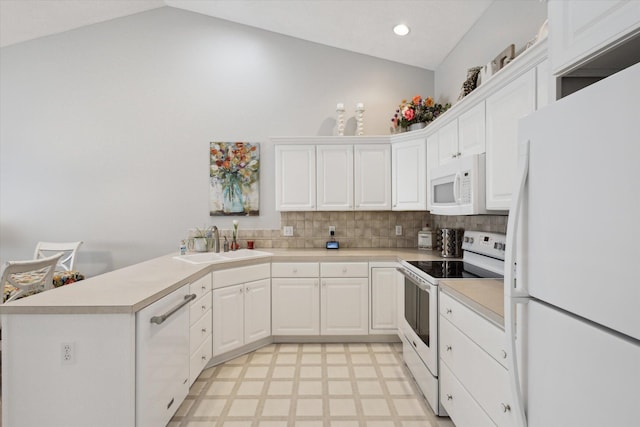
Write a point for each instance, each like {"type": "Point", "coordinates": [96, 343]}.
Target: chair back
{"type": "Point", "coordinates": [31, 276]}
{"type": "Point", "coordinates": [69, 251]}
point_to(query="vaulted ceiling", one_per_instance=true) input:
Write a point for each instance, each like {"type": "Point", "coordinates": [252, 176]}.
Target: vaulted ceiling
{"type": "Point", "coordinates": [362, 26]}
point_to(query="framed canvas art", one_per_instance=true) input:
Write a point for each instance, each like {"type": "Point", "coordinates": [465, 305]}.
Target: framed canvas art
{"type": "Point", "coordinates": [234, 178]}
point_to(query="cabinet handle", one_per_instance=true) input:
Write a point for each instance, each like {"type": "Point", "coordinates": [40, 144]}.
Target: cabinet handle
{"type": "Point", "coordinates": [449, 311]}
{"type": "Point", "coordinates": [459, 154]}
{"type": "Point", "coordinates": [448, 348]}
{"type": "Point", "coordinates": [204, 330]}
{"type": "Point", "coordinates": [449, 397]}
{"type": "Point", "coordinates": [241, 290]}
{"type": "Point", "coordinates": [204, 288]}
{"type": "Point", "coordinates": [505, 407]}
{"type": "Point", "coordinates": [453, 156]}
{"type": "Point", "coordinates": [504, 354]}
{"type": "Point", "coordinates": [204, 357]}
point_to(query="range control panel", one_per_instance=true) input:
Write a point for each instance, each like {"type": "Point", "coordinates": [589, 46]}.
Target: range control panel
{"type": "Point", "coordinates": [490, 244]}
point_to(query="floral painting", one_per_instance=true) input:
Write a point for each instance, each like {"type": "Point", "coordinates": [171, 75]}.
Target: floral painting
{"type": "Point", "coordinates": [234, 178]}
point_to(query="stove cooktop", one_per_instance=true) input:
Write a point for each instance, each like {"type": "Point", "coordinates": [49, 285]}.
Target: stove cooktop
{"type": "Point", "coordinates": [453, 270]}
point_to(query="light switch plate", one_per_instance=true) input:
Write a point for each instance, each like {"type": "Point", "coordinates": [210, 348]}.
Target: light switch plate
{"type": "Point", "coordinates": [398, 230]}
{"type": "Point", "coordinates": [287, 231]}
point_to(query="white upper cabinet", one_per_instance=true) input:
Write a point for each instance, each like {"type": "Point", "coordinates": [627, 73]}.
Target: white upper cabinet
{"type": "Point", "coordinates": [335, 177]}
{"type": "Point", "coordinates": [462, 136]}
{"type": "Point", "coordinates": [409, 175]}
{"type": "Point", "coordinates": [432, 162]}
{"type": "Point", "coordinates": [372, 176]}
{"type": "Point", "coordinates": [333, 173]}
{"type": "Point", "coordinates": [504, 108]}
{"type": "Point", "coordinates": [471, 131]}
{"type": "Point", "coordinates": [295, 177]}
{"type": "Point", "coordinates": [580, 30]}
{"type": "Point", "coordinates": [448, 142]}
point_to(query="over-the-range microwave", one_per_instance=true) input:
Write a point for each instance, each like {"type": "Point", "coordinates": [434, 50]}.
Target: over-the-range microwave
{"type": "Point", "coordinates": [458, 187]}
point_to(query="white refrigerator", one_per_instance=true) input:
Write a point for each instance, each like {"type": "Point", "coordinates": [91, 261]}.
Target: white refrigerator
{"type": "Point", "coordinates": [572, 279]}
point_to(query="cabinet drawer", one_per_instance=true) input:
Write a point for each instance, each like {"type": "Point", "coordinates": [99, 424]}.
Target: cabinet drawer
{"type": "Point", "coordinates": [200, 287]}
{"type": "Point", "coordinates": [344, 269]}
{"type": "Point", "coordinates": [294, 269]}
{"type": "Point", "coordinates": [200, 331]}
{"type": "Point", "coordinates": [480, 330]}
{"type": "Point", "coordinates": [234, 276]}
{"type": "Point", "coordinates": [484, 378]}
{"type": "Point", "coordinates": [199, 307]}
{"type": "Point", "coordinates": [463, 410]}
{"type": "Point", "coordinates": [199, 360]}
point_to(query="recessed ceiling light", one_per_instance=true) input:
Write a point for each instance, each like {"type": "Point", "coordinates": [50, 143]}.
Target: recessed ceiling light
{"type": "Point", "coordinates": [401, 30]}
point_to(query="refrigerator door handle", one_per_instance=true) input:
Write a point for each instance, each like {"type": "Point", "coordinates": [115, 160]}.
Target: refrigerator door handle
{"type": "Point", "coordinates": [514, 292]}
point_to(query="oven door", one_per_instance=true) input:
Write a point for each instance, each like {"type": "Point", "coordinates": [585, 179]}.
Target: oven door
{"type": "Point", "coordinates": [421, 315]}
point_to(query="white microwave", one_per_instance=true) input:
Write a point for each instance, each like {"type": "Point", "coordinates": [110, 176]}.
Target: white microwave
{"type": "Point", "coordinates": [458, 187]}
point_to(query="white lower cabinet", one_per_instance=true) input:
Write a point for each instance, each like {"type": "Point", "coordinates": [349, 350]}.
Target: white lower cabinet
{"type": "Point", "coordinates": [320, 299]}
{"type": "Point", "coordinates": [200, 328]}
{"type": "Point", "coordinates": [383, 295]}
{"type": "Point", "coordinates": [241, 307]}
{"type": "Point", "coordinates": [472, 378]}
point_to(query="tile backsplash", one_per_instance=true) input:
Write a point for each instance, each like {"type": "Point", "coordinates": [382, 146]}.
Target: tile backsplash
{"type": "Point", "coordinates": [358, 229]}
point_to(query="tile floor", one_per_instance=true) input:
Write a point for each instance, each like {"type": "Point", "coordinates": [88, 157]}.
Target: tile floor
{"type": "Point", "coordinates": [305, 385]}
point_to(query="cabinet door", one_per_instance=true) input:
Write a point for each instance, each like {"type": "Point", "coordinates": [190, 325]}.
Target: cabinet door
{"type": "Point", "coordinates": [372, 167]}
{"type": "Point", "coordinates": [257, 310]}
{"type": "Point", "coordinates": [343, 306]}
{"type": "Point", "coordinates": [582, 29]}
{"type": "Point", "coordinates": [432, 162]}
{"type": "Point", "coordinates": [335, 177]}
{"type": "Point", "coordinates": [448, 142]}
{"type": "Point", "coordinates": [295, 177]}
{"type": "Point", "coordinates": [471, 131]}
{"type": "Point", "coordinates": [228, 318]}
{"type": "Point", "coordinates": [504, 109]}
{"type": "Point", "coordinates": [295, 306]}
{"type": "Point", "coordinates": [384, 311]}
{"type": "Point", "coordinates": [409, 175]}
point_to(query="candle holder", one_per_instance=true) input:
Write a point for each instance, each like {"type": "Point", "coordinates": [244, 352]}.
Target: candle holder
{"type": "Point", "coordinates": [360, 119]}
{"type": "Point", "coordinates": [340, 121]}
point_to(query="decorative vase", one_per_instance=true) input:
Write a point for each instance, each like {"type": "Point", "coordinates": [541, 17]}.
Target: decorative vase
{"type": "Point", "coordinates": [232, 197]}
{"type": "Point", "coordinates": [234, 244]}
{"type": "Point", "coordinates": [417, 126]}
{"type": "Point", "coordinates": [200, 244]}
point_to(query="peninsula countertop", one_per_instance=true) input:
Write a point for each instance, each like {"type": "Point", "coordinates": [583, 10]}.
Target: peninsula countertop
{"type": "Point", "coordinates": [130, 289]}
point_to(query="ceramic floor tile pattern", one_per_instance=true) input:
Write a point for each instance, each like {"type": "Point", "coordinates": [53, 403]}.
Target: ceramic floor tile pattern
{"type": "Point", "coordinates": [305, 385]}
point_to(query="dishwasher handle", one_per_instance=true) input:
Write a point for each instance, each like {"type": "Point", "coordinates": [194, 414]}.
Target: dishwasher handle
{"type": "Point", "coordinates": [158, 320]}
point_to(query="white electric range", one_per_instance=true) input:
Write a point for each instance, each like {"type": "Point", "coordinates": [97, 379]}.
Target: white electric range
{"type": "Point", "coordinates": [483, 257]}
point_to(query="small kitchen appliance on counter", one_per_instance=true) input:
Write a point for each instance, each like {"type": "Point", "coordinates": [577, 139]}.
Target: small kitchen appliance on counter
{"type": "Point", "coordinates": [426, 239]}
{"type": "Point", "coordinates": [482, 257]}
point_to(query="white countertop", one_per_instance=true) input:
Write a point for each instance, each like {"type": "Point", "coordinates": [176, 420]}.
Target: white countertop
{"type": "Point", "coordinates": [129, 289]}
{"type": "Point", "coordinates": [484, 296]}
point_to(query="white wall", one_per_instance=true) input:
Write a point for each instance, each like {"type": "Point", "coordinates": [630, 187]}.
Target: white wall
{"type": "Point", "coordinates": [503, 23]}
{"type": "Point", "coordinates": [104, 130]}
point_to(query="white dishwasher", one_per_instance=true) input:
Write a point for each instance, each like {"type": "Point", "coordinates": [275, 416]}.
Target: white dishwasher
{"type": "Point", "coordinates": [162, 358]}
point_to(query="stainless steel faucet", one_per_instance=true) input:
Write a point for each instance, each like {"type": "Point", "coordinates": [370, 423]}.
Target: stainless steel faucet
{"type": "Point", "coordinates": [216, 239]}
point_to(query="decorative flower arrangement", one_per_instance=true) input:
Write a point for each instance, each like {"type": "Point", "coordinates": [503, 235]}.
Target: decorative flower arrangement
{"type": "Point", "coordinates": [418, 110]}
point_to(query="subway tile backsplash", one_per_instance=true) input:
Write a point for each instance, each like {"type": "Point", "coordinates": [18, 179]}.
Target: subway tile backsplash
{"type": "Point", "coordinates": [358, 229]}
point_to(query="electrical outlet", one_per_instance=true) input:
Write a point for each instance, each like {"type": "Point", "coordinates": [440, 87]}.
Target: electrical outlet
{"type": "Point", "coordinates": [398, 230]}
{"type": "Point", "coordinates": [68, 353]}
{"type": "Point", "coordinates": [332, 228]}
{"type": "Point", "coordinates": [287, 231]}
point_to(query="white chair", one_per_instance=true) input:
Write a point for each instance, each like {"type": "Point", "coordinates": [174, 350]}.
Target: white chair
{"type": "Point", "coordinates": [20, 278]}
{"type": "Point", "coordinates": [69, 250]}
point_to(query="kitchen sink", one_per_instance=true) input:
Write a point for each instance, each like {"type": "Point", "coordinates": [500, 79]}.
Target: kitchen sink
{"type": "Point", "coordinates": [212, 257]}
